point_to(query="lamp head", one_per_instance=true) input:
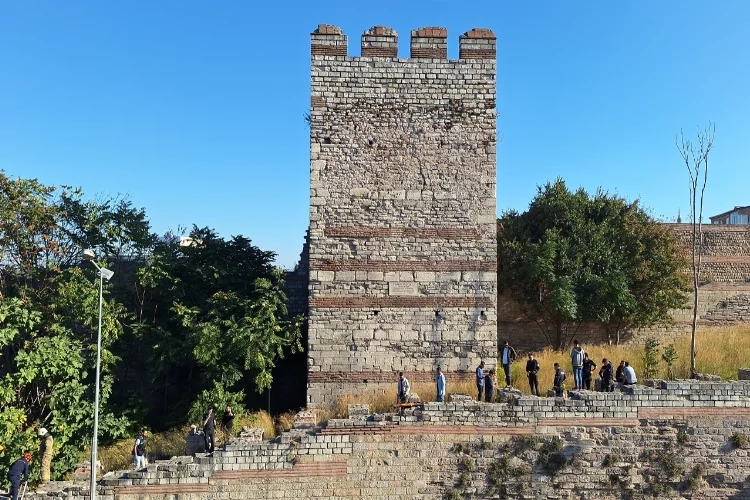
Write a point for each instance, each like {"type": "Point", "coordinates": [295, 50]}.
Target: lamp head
{"type": "Point", "coordinates": [88, 254]}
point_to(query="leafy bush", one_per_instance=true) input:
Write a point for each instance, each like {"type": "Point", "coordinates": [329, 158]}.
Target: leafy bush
{"type": "Point", "coordinates": [738, 440]}
{"type": "Point", "coordinates": [551, 459]}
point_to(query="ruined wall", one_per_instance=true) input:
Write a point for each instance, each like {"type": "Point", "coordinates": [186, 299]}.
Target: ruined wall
{"type": "Point", "coordinates": [683, 439]}
{"type": "Point", "coordinates": [402, 209]}
{"type": "Point", "coordinates": [724, 295]}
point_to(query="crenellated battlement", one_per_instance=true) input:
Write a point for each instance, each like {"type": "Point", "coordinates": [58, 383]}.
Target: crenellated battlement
{"type": "Point", "coordinates": [425, 43]}
{"type": "Point", "coordinates": [402, 209]}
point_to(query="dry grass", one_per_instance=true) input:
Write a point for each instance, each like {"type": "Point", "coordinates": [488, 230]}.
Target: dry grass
{"type": "Point", "coordinates": [119, 455]}
{"type": "Point", "coordinates": [261, 419]}
{"type": "Point", "coordinates": [382, 400]}
{"type": "Point", "coordinates": [720, 351]}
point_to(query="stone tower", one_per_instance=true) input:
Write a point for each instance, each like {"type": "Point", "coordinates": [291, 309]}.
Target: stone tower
{"type": "Point", "coordinates": [402, 210]}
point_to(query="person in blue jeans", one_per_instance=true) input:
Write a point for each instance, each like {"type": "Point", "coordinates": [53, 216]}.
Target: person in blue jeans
{"type": "Point", "coordinates": [440, 381]}
{"type": "Point", "coordinates": [507, 356]}
{"type": "Point", "coordinates": [480, 380]}
{"type": "Point", "coordinates": [577, 358]}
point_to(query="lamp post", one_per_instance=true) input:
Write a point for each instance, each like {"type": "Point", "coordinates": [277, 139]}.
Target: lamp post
{"type": "Point", "coordinates": [103, 274]}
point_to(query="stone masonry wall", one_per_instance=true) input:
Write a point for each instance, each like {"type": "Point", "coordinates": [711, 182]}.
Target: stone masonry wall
{"type": "Point", "coordinates": [724, 295]}
{"type": "Point", "coordinates": [402, 208]}
{"type": "Point", "coordinates": [682, 439]}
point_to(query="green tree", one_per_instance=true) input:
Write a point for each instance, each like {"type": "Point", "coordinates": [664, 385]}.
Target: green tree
{"type": "Point", "coordinates": [650, 358]}
{"type": "Point", "coordinates": [48, 320]}
{"type": "Point", "coordinates": [211, 316]}
{"type": "Point", "coordinates": [573, 258]}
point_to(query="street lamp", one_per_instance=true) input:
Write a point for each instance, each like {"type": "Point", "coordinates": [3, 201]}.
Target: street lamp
{"type": "Point", "coordinates": [103, 274]}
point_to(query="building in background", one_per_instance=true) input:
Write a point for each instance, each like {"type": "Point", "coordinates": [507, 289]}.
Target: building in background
{"type": "Point", "coordinates": [738, 215]}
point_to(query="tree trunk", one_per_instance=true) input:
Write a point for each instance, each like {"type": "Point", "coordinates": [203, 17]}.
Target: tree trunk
{"type": "Point", "coordinates": [558, 335]}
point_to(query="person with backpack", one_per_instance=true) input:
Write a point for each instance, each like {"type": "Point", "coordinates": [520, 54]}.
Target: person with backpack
{"type": "Point", "coordinates": [19, 468]}
{"type": "Point", "coordinates": [558, 381]}
{"type": "Point", "coordinates": [139, 450]}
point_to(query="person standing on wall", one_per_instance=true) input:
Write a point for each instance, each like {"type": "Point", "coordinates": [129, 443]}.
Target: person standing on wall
{"type": "Point", "coordinates": [209, 427]}
{"type": "Point", "coordinates": [139, 450]}
{"type": "Point", "coordinates": [588, 368]}
{"type": "Point", "coordinates": [606, 373]}
{"type": "Point", "coordinates": [227, 422]}
{"type": "Point", "coordinates": [576, 358]}
{"type": "Point", "coordinates": [45, 450]}
{"type": "Point", "coordinates": [403, 388]}
{"type": "Point", "coordinates": [480, 380]}
{"type": "Point", "coordinates": [507, 356]}
{"type": "Point", "coordinates": [19, 468]}
{"type": "Point", "coordinates": [440, 381]}
{"type": "Point", "coordinates": [532, 372]}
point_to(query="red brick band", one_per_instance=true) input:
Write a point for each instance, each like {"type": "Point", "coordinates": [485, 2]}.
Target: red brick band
{"type": "Point", "coordinates": [402, 265]}
{"type": "Point", "coordinates": [373, 377]}
{"type": "Point", "coordinates": [425, 53]}
{"type": "Point", "coordinates": [670, 412]}
{"type": "Point", "coordinates": [721, 259]}
{"type": "Point", "coordinates": [724, 287]}
{"type": "Point", "coordinates": [161, 489]}
{"type": "Point", "coordinates": [328, 50]}
{"type": "Point", "coordinates": [447, 233]}
{"type": "Point", "coordinates": [399, 302]}
{"type": "Point", "coordinates": [587, 422]}
{"type": "Point", "coordinates": [312, 469]}
{"type": "Point", "coordinates": [477, 54]}
{"type": "Point", "coordinates": [380, 52]}
{"type": "Point", "coordinates": [418, 430]}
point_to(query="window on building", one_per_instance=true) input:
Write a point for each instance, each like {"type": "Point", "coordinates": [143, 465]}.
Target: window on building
{"type": "Point", "coordinates": [737, 218]}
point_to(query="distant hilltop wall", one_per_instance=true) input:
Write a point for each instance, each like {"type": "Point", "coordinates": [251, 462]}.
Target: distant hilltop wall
{"type": "Point", "coordinates": [402, 260]}
{"type": "Point", "coordinates": [724, 294]}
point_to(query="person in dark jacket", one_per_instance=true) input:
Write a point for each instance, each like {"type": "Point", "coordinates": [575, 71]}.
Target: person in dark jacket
{"type": "Point", "coordinates": [558, 381]}
{"type": "Point", "coordinates": [620, 373]}
{"type": "Point", "coordinates": [209, 426]}
{"type": "Point", "coordinates": [19, 468]}
{"type": "Point", "coordinates": [607, 376]}
{"type": "Point", "coordinates": [588, 368]}
{"type": "Point", "coordinates": [532, 371]}
{"type": "Point", "coordinates": [227, 422]}
{"type": "Point", "coordinates": [507, 356]}
{"type": "Point", "coordinates": [489, 386]}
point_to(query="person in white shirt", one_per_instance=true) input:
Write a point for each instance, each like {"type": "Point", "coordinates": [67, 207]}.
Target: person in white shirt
{"type": "Point", "coordinates": [440, 380]}
{"type": "Point", "coordinates": [630, 378]}
{"type": "Point", "coordinates": [403, 388]}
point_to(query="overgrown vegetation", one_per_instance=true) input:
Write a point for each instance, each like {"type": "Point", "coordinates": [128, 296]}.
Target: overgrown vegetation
{"type": "Point", "coordinates": [184, 326]}
{"type": "Point", "coordinates": [551, 459]}
{"type": "Point", "coordinates": [650, 358]}
{"type": "Point", "coordinates": [738, 440]}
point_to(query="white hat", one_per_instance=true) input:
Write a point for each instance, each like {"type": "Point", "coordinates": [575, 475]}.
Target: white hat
{"type": "Point", "coordinates": [42, 432]}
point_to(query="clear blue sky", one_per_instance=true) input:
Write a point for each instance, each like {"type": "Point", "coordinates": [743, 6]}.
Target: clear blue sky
{"type": "Point", "coordinates": [195, 109]}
